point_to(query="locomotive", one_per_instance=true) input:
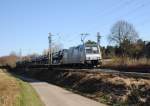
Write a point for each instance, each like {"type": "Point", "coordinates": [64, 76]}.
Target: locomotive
{"type": "Point", "coordinates": [85, 54]}
{"type": "Point", "coordinates": [89, 54]}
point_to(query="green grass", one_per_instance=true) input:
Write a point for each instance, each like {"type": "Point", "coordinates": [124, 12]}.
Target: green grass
{"type": "Point", "coordinates": [103, 99]}
{"type": "Point", "coordinates": [27, 96]}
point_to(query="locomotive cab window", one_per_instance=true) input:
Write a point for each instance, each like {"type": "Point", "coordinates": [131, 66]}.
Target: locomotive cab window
{"type": "Point", "coordinates": [88, 50]}
{"type": "Point", "coordinates": [91, 50]}
{"type": "Point", "coordinates": [95, 50]}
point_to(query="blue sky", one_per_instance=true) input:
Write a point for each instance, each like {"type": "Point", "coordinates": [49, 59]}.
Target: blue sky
{"type": "Point", "coordinates": [24, 24]}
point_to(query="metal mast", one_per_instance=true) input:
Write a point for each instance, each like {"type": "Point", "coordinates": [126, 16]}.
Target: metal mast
{"type": "Point", "coordinates": [98, 38]}
{"type": "Point", "coordinates": [98, 43]}
{"type": "Point", "coordinates": [20, 54]}
{"type": "Point", "coordinates": [83, 36]}
{"type": "Point", "coordinates": [50, 48]}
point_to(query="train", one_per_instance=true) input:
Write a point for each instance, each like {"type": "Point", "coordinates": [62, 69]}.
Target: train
{"type": "Point", "coordinates": [84, 54]}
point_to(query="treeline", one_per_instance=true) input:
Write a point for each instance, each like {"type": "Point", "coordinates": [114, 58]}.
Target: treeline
{"type": "Point", "coordinates": [139, 49]}
{"type": "Point", "coordinates": [8, 60]}
{"type": "Point", "coordinates": [127, 43]}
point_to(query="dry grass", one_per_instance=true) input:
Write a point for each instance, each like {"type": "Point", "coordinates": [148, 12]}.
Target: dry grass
{"type": "Point", "coordinates": [121, 62]}
{"type": "Point", "coordinates": [15, 92]}
{"type": "Point", "coordinates": [8, 89]}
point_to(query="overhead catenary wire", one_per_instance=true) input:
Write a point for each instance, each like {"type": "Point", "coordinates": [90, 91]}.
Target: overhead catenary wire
{"type": "Point", "coordinates": [119, 6]}
{"type": "Point", "coordinates": [134, 10]}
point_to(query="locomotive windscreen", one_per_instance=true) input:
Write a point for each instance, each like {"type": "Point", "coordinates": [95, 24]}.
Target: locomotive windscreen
{"type": "Point", "coordinates": [92, 50]}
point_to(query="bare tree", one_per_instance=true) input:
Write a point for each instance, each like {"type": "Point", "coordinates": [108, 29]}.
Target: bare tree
{"type": "Point", "coordinates": [45, 52]}
{"type": "Point", "coordinates": [124, 35]}
{"type": "Point", "coordinates": [55, 48]}
{"type": "Point", "coordinates": [123, 31]}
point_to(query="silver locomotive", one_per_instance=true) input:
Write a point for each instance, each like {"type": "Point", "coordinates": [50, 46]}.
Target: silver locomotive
{"type": "Point", "coordinates": [89, 54]}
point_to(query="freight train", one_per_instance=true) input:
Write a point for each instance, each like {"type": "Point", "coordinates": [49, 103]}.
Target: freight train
{"type": "Point", "coordinates": [85, 54]}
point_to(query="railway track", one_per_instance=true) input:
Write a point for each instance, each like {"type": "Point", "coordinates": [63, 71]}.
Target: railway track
{"type": "Point", "coordinates": [108, 71]}
{"type": "Point", "coordinates": [90, 70]}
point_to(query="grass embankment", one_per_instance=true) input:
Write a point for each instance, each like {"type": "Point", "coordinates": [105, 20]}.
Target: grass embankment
{"type": "Point", "coordinates": [127, 64]}
{"type": "Point", "coordinates": [15, 92]}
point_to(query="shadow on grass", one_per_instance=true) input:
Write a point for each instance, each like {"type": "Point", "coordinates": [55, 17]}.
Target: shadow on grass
{"type": "Point", "coordinates": [23, 77]}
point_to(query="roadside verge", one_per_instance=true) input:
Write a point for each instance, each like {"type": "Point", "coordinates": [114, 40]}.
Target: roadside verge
{"type": "Point", "coordinates": [15, 92]}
